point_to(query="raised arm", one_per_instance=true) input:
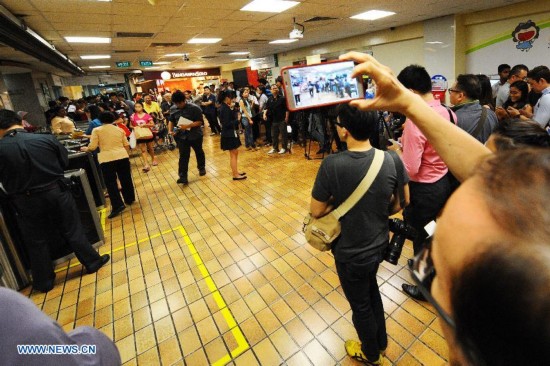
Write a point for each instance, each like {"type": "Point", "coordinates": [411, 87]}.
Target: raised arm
{"type": "Point", "coordinates": [460, 151]}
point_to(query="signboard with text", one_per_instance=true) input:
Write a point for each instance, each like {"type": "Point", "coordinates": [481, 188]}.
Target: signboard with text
{"type": "Point", "coordinates": [122, 64]}
{"type": "Point", "coordinates": [146, 63]}
{"type": "Point", "coordinates": [179, 74]}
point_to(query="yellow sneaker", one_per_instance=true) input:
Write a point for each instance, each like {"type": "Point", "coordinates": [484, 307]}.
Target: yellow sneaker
{"type": "Point", "coordinates": [353, 349]}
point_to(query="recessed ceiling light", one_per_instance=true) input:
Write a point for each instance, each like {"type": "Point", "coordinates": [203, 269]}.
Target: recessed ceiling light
{"type": "Point", "coordinates": [373, 15]}
{"type": "Point", "coordinates": [161, 63]}
{"type": "Point", "coordinates": [174, 54]}
{"type": "Point", "coordinates": [99, 67]}
{"type": "Point", "coordinates": [269, 6]}
{"type": "Point", "coordinates": [88, 39]}
{"type": "Point", "coordinates": [239, 53]}
{"type": "Point", "coordinates": [242, 59]}
{"type": "Point", "coordinates": [94, 57]}
{"type": "Point", "coordinates": [204, 40]}
{"type": "Point", "coordinates": [277, 41]}
{"type": "Point", "coordinates": [434, 42]}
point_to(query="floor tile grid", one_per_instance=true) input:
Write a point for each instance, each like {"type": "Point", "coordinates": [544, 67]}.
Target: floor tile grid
{"type": "Point", "coordinates": [248, 206]}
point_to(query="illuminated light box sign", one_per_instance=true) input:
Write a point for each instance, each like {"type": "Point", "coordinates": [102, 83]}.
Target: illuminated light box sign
{"type": "Point", "coordinates": [122, 64]}
{"type": "Point", "coordinates": [179, 74]}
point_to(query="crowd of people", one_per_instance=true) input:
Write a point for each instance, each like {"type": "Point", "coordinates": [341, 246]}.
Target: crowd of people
{"type": "Point", "coordinates": [480, 169]}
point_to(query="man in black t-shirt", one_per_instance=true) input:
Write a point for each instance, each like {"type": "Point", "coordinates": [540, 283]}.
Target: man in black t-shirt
{"type": "Point", "coordinates": [187, 119]}
{"type": "Point", "coordinates": [276, 114]}
{"type": "Point", "coordinates": [365, 232]}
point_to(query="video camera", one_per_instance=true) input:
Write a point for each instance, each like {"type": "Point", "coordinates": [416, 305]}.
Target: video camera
{"type": "Point", "coordinates": [401, 231]}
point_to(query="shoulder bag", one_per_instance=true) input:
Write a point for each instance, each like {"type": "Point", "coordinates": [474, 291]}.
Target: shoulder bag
{"type": "Point", "coordinates": [321, 232]}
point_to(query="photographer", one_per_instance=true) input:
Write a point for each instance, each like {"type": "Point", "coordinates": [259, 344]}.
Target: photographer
{"type": "Point", "coordinates": [358, 253]}
{"type": "Point", "coordinates": [490, 254]}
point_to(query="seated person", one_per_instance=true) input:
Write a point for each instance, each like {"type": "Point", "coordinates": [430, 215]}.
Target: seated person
{"type": "Point", "coordinates": [489, 260]}
{"type": "Point", "coordinates": [61, 124]}
{"type": "Point", "coordinates": [24, 324]}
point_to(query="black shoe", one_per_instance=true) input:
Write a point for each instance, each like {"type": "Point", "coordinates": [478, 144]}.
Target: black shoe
{"type": "Point", "coordinates": [240, 178]}
{"type": "Point", "coordinates": [202, 172]}
{"type": "Point", "coordinates": [98, 264]}
{"type": "Point", "coordinates": [182, 181]}
{"type": "Point", "coordinates": [117, 211]}
{"type": "Point", "coordinates": [48, 286]}
{"type": "Point", "coordinates": [413, 292]}
{"type": "Point", "coordinates": [128, 203]}
{"type": "Point", "coordinates": [410, 263]}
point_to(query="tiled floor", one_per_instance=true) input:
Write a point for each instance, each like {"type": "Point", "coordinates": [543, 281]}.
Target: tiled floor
{"type": "Point", "coordinates": [218, 272]}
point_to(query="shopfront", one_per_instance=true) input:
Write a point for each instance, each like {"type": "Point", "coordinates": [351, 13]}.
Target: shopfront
{"type": "Point", "coordinates": [172, 80]}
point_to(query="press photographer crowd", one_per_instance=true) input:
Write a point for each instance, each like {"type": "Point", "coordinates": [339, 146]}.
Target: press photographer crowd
{"type": "Point", "coordinates": [468, 185]}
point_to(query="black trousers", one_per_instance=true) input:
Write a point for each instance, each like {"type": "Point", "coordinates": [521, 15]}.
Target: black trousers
{"type": "Point", "coordinates": [213, 123]}
{"type": "Point", "coordinates": [279, 128]}
{"type": "Point", "coordinates": [361, 289]}
{"type": "Point", "coordinates": [184, 147]}
{"type": "Point", "coordinates": [37, 215]}
{"type": "Point", "coordinates": [268, 137]}
{"type": "Point", "coordinates": [427, 200]}
{"type": "Point", "coordinates": [121, 169]}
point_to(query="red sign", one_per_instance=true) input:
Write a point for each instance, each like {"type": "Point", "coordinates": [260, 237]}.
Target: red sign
{"type": "Point", "coordinates": [179, 74]}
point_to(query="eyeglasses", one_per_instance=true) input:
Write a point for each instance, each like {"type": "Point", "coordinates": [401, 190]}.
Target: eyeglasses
{"type": "Point", "coordinates": [423, 273]}
{"type": "Point", "coordinates": [454, 91]}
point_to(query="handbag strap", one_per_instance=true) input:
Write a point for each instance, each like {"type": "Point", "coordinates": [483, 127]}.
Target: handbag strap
{"type": "Point", "coordinates": [363, 187]}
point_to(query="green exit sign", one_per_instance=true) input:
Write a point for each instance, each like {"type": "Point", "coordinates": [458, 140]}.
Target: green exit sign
{"type": "Point", "coordinates": [146, 63]}
{"type": "Point", "coordinates": [123, 64]}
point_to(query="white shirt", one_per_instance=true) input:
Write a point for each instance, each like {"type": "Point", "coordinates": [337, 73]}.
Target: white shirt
{"type": "Point", "coordinates": [541, 112]}
{"type": "Point", "coordinates": [503, 94]}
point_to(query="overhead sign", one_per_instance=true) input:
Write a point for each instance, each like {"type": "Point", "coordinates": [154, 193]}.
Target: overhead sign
{"type": "Point", "coordinates": [122, 64]}
{"type": "Point", "coordinates": [146, 63]}
{"type": "Point", "coordinates": [263, 62]}
{"type": "Point", "coordinates": [178, 74]}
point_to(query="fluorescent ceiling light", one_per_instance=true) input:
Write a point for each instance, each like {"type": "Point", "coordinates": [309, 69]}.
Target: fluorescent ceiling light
{"type": "Point", "coordinates": [277, 41]}
{"type": "Point", "coordinates": [152, 68]}
{"type": "Point", "coordinates": [174, 55]}
{"type": "Point", "coordinates": [242, 59]}
{"type": "Point", "coordinates": [161, 63]}
{"type": "Point", "coordinates": [434, 42]}
{"type": "Point", "coordinates": [94, 57]}
{"type": "Point", "coordinates": [373, 15]}
{"type": "Point", "coordinates": [269, 6]}
{"type": "Point", "coordinates": [240, 53]}
{"type": "Point", "coordinates": [204, 40]}
{"type": "Point", "coordinates": [88, 39]}
{"type": "Point", "coordinates": [99, 67]}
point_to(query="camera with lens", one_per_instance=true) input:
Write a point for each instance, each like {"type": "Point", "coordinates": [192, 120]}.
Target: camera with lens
{"type": "Point", "coordinates": [401, 231]}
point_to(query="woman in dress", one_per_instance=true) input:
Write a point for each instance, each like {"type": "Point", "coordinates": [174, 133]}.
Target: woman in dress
{"type": "Point", "coordinates": [246, 120]}
{"type": "Point", "coordinates": [142, 119]}
{"type": "Point", "coordinates": [229, 136]}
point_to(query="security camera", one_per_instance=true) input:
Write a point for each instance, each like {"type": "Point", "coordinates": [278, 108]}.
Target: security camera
{"type": "Point", "coordinates": [296, 34]}
{"type": "Point", "coordinates": [185, 57]}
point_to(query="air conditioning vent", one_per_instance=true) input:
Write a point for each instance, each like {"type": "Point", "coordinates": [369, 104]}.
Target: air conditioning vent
{"type": "Point", "coordinates": [258, 41]}
{"type": "Point", "coordinates": [126, 51]}
{"type": "Point", "coordinates": [319, 19]}
{"type": "Point", "coordinates": [134, 35]}
{"type": "Point", "coordinates": [165, 44]}
{"type": "Point", "coordinates": [207, 57]}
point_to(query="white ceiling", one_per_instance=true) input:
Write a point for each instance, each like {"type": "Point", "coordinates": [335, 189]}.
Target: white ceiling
{"type": "Point", "coordinates": [177, 21]}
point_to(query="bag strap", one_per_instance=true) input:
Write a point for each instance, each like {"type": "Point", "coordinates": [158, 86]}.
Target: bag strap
{"type": "Point", "coordinates": [363, 187]}
{"type": "Point", "coordinates": [451, 118]}
{"type": "Point", "coordinates": [400, 179]}
{"type": "Point", "coordinates": [481, 122]}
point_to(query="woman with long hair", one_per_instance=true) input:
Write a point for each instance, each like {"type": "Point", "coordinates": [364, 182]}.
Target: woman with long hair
{"type": "Point", "coordinates": [229, 136]}
{"type": "Point", "coordinates": [517, 101]}
{"type": "Point", "coordinates": [246, 119]}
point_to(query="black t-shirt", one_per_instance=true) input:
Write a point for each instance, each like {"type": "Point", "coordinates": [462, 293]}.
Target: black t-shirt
{"type": "Point", "coordinates": [365, 230]}
{"type": "Point", "coordinates": [209, 109]}
{"type": "Point", "coordinates": [192, 113]}
{"type": "Point", "coordinates": [276, 108]}
{"type": "Point", "coordinates": [30, 161]}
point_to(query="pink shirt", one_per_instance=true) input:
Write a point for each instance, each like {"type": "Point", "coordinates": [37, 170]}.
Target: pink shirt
{"type": "Point", "coordinates": [422, 162]}
{"type": "Point", "coordinates": [139, 121]}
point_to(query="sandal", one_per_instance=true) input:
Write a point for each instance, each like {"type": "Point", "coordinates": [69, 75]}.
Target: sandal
{"type": "Point", "coordinates": [155, 163]}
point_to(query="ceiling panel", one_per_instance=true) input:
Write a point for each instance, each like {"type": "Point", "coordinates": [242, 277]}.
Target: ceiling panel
{"type": "Point", "coordinates": [181, 20]}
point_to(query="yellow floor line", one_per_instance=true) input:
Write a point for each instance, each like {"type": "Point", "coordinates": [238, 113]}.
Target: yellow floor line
{"type": "Point", "coordinates": [229, 319]}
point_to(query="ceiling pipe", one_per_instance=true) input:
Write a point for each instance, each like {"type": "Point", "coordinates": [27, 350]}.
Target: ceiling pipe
{"type": "Point", "coordinates": [15, 33]}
